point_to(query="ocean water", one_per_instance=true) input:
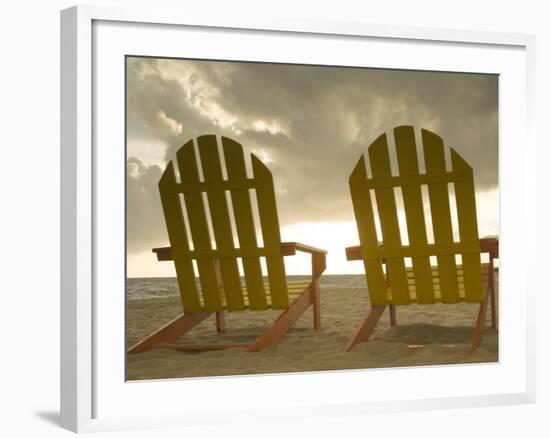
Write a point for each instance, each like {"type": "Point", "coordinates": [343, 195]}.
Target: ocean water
{"type": "Point", "coordinates": [139, 288]}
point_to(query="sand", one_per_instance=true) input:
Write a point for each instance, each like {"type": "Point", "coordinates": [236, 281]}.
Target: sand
{"type": "Point", "coordinates": [424, 335]}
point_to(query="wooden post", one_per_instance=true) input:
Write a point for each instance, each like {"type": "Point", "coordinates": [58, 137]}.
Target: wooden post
{"type": "Point", "coordinates": [492, 292]}
{"type": "Point", "coordinates": [393, 313]}
{"type": "Point", "coordinates": [318, 265]}
{"type": "Point", "coordinates": [316, 301]}
{"type": "Point", "coordinates": [220, 322]}
{"type": "Point", "coordinates": [393, 316]}
{"type": "Point", "coordinates": [220, 316]}
{"type": "Point", "coordinates": [480, 324]}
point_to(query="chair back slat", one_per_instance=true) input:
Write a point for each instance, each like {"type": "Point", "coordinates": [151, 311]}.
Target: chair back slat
{"type": "Point", "coordinates": [364, 218]}
{"type": "Point", "coordinates": [198, 225]}
{"type": "Point", "coordinates": [177, 234]}
{"type": "Point", "coordinates": [422, 283]}
{"type": "Point", "coordinates": [438, 193]}
{"type": "Point", "coordinates": [213, 247]}
{"type": "Point", "coordinates": [221, 225]}
{"type": "Point", "coordinates": [407, 160]}
{"type": "Point", "coordinates": [267, 210]}
{"type": "Point", "coordinates": [244, 222]}
{"type": "Point", "coordinates": [467, 226]}
{"type": "Point", "coordinates": [385, 200]}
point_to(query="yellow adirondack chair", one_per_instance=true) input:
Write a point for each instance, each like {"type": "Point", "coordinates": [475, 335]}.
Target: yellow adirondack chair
{"type": "Point", "coordinates": [421, 283]}
{"type": "Point", "coordinates": [221, 287]}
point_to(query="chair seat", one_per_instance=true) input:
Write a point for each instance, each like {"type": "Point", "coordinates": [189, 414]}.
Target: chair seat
{"type": "Point", "coordinates": [295, 288]}
{"type": "Point", "coordinates": [435, 281]}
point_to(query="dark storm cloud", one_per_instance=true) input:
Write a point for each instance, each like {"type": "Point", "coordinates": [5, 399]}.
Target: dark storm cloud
{"type": "Point", "coordinates": [310, 123]}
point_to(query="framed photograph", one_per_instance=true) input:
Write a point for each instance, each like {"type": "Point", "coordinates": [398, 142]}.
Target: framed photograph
{"type": "Point", "coordinates": [253, 209]}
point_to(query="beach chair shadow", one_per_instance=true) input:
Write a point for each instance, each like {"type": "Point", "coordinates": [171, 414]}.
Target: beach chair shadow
{"type": "Point", "coordinates": [419, 272]}
{"type": "Point", "coordinates": [220, 287]}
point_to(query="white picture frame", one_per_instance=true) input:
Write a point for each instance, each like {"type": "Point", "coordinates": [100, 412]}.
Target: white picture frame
{"type": "Point", "coordinates": [91, 372]}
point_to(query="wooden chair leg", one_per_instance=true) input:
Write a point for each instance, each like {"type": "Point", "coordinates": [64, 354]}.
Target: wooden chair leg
{"type": "Point", "coordinates": [393, 316]}
{"type": "Point", "coordinates": [367, 327]}
{"type": "Point", "coordinates": [220, 322]}
{"type": "Point", "coordinates": [493, 292]}
{"type": "Point", "coordinates": [316, 300]}
{"type": "Point", "coordinates": [285, 320]}
{"type": "Point", "coordinates": [170, 331]}
{"type": "Point", "coordinates": [480, 324]}
{"type": "Point", "coordinates": [493, 310]}
{"type": "Point", "coordinates": [318, 266]}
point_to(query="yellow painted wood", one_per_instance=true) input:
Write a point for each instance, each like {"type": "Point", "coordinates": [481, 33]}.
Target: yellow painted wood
{"type": "Point", "coordinates": [236, 171]}
{"type": "Point", "coordinates": [198, 226]}
{"type": "Point", "coordinates": [438, 193]}
{"type": "Point", "coordinates": [364, 218]}
{"type": "Point", "coordinates": [409, 180]}
{"type": "Point", "coordinates": [173, 217]}
{"type": "Point", "coordinates": [446, 282]}
{"type": "Point", "coordinates": [460, 273]}
{"type": "Point", "coordinates": [437, 295]}
{"type": "Point", "coordinates": [213, 186]}
{"type": "Point", "coordinates": [227, 292]}
{"type": "Point", "coordinates": [462, 288]}
{"type": "Point", "coordinates": [420, 250]}
{"type": "Point", "coordinates": [295, 289]}
{"type": "Point", "coordinates": [407, 160]}
{"type": "Point", "coordinates": [293, 285]}
{"type": "Point", "coordinates": [269, 221]}
{"type": "Point", "coordinates": [228, 253]}
{"type": "Point", "coordinates": [387, 211]}
{"type": "Point", "coordinates": [219, 214]}
{"type": "Point", "coordinates": [467, 224]}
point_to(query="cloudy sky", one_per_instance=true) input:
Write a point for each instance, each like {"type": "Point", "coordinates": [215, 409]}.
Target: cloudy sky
{"type": "Point", "coordinates": [309, 125]}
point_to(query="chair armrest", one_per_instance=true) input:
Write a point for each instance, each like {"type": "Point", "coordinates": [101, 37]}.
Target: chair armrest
{"type": "Point", "coordinates": [164, 253]}
{"type": "Point", "coordinates": [489, 244]}
{"type": "Point", "coordinates": [290, 248]}
{"type": "Point", "coordinates": [354, 253]}
{"type": "Point", "coordinates": [318, 256]}
{"type": "Point", "coordinates": [287, 248]}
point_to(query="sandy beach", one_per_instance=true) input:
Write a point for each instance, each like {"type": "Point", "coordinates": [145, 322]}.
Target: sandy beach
{"type": "Point", "coordinates": [424, 335]}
